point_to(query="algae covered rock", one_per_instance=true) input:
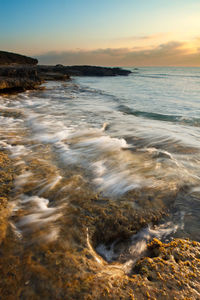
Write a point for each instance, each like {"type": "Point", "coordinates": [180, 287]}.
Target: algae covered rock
{"type": "Point", "coordinates": [70, 266]}
{"type": "Point", "coordinates": [171, 270]}
{"type": "Point", "coordinates": [6, 183]}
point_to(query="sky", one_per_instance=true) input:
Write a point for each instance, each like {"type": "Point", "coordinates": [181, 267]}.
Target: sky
{"type": "Point", "coordinates": [103, 32]}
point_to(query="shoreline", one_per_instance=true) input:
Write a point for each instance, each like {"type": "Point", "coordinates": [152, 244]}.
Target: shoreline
{"type": "Point", "coordinates": [59, 268]}
{"type": "Point", "coordinates": [70, 266]}
{"type": "Point", "coordinates": [22, 77]}
{"type": "Point", "coordinates": [19, 73]}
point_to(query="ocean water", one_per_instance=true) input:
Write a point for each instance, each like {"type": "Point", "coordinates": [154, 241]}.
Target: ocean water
{"type": "Point", "coordinates": [133, 139]}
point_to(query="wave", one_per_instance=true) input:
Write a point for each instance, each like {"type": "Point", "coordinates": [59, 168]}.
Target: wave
{"type": "Point", "coordinates": [156, 76]}
{"type": "Point", "coordinates": [96, 92]}
{"type": "Point", "coordinates": [160, 117]}
{"type": "Point", "coordinates": [164, 75]}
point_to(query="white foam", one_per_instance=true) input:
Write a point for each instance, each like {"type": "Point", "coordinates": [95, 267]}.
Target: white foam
{"type": "Point", "coordinates": [52, 235]}
{"type": "Point", "coordinates": [141, 239]}
{"type": "Point", "coordinates": [22, 179]}
{"type": "Point", "coordinates": [18, 150]}
{"type": "Point", "coordinates": [62, 124]}
{"type": "Point", "coordinates": [37, 219]}
{"type": "Point", "coordinates": [107, 252]}
{"type": "Point", "coordinates": [103, 143]}
{"type": "Point", "coordinates": [117, 183]}
{"type": "Point", "coordinates": [45, 129]}
{"type": "Point", "coordinates": [99, 167]}
{"type": "Point", "coordinates": [3, 145]}
{"type": "Point", "coordinates": [38, 216]}
{"type": "Point", "coordinates": [51, 185]}
{"type": "Point", "coordinates": [104, 157]}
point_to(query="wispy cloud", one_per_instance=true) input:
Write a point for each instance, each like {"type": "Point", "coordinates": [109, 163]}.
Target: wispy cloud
{"type": "Point", "coordinates": [167, 54]}
{"type": "Point", "coordinates": [135, 38]}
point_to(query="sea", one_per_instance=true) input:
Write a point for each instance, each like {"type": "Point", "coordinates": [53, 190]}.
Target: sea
{"type": "Point", "coordinates": [128, 139]}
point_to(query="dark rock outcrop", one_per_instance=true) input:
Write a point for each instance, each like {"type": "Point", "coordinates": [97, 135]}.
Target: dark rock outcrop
{"type": "Point", "coordinates": [17, 72]}
{"type": "Point", "coordinates": [18, 78]}
{"type": "Point", "coordinates": [82, 70]}
{"type": "Point", "coordinates": [8, 58]}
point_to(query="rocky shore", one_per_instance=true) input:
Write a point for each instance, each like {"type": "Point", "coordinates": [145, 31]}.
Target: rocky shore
{"type": "Point", "coordinates": [19, 73]}
{"type": "Point", "coordinates": [59, 270]}
{"type": "Point", "coordinates": [70, 266]}
{"type": "Point", "coordinates": [18, 78]}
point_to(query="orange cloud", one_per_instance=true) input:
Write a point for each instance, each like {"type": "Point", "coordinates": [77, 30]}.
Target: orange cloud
{"type": "Point", "coordinates": [144, 37]}
{"type": "Point", "coordinates": [167, 54]}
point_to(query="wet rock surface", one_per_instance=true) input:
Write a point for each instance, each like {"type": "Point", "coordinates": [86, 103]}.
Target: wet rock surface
{"type": "Point", "coordinates": [18, 78]}
{"type": "Point", "coordinates": [34, 266]}
{"type": "Point", "coordinates": [172, 270]}
{"type": "Point", "coordinates": [6, 184]}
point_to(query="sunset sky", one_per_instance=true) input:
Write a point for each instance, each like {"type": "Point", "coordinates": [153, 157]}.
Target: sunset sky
{"type": "Point", "coordinates": [103, 32]}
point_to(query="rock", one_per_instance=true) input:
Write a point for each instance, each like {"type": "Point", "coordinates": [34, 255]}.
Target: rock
{"type": "Point", "coordinates": [170, 271]}
{"type": "Point", "coordinates": [18, 78]}
{"type": "Point", "coordinates": [70, 267]}
{"type": "Point", "coordinates": [82, 70]}
{"type": "Point", "coordinates": [8, 58]}
{"type": "Point", "coordinates": [6, 184]}
{"type": "Point", "coordinates": [54, 76]}
{"type": "Point", "coordinates": [16, 84]}
{"type": "Point", "coordinates": [59, 65]}
{"type": "Point", "coordinates": [19, 73]}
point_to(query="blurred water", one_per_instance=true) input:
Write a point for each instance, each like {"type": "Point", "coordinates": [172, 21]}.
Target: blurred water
{"type": "Point", "coordinates": [150, 143]}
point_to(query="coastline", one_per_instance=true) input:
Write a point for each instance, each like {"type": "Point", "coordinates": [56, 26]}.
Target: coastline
{"type": "Point", "coordinates": [19, 73]}
{"type": "Point", "coordinates": [63, 270]}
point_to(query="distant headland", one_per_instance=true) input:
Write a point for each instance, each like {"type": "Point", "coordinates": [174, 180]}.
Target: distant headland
{"type": "Point", "coordinates": [20, 72]}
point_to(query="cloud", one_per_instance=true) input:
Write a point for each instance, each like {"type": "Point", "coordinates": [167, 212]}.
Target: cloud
{"type": "Point", "coordinates": [136, 38]}
{"type": "Point", "coordinates": [197, 39]}
{"type": "Point", "coordinates": [167, 54]}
